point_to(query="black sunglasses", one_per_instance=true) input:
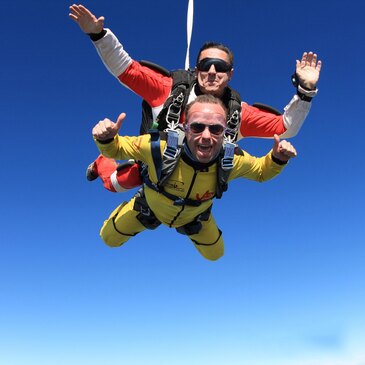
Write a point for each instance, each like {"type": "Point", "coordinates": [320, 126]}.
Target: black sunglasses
{"type": "Point", "coordinates": [219, 65]}
{"type": "Point", "coordinates": [197, 128]}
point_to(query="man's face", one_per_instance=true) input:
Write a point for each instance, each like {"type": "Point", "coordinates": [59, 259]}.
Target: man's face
{"type": "Point", "coordinates": [205, 127]}
{"type": "Point", "coordinates": [211, 81]}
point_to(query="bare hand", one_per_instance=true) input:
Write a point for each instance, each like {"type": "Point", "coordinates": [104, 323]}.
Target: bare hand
{"type": "Point", "coordinates": [283, 150]}
{"type": "Point", "coordinates": [308, 70]}
{"type": "Point", "coordinates": [86, 19]}
{"type": "Point", "coordinates": [106, 129]}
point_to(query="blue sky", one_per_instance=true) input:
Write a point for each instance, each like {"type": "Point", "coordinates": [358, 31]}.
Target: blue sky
{"type": "Point", "coordinates": [290, 288]}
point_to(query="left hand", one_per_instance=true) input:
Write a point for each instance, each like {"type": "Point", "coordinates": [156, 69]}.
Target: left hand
{"type": "Point", "coordinates": [107, 129]}
{"type": "Point", "coordinates": [308, 70]}
{"type": "Point", "coordinates": [86, 20]}
{"type": "Point", "coordinates": [283, 150]}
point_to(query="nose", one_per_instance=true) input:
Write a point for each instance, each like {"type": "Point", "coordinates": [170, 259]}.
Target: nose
{"type": "Point", "coordinates": [206, 133]}
{"type": "Point", "coordinates": [212, 70]}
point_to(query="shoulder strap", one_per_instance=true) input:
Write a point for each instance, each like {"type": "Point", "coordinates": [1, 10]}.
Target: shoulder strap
{"type": "Point", "coordinates": [169, 117]}
{"type": "Point", "coordinates": [232, 101]}
{"type": "Point", "coordinates": [164, 167]}
{"type": "Point", "coordinates": [147, 117]}
{"type": "Point", "coordinates": [172, 153]}
{"type": "Point", "coordinates": [224, 168]}
{"type": "Point", "coordinates": [156, 152]}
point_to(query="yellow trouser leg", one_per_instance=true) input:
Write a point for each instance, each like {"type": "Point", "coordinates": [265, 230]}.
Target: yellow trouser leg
{"type": "Point", "coordinates": [209, 241]}
{"type": "Point", "coordinates": [121, 225]}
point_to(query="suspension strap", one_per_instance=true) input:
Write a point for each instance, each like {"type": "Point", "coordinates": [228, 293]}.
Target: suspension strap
{"type": "Point", "coordinates": [189, 29]}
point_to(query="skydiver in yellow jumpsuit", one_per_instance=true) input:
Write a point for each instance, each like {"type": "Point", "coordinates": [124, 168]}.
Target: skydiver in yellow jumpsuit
{"type": "Point", "coordinates": [193, 180]}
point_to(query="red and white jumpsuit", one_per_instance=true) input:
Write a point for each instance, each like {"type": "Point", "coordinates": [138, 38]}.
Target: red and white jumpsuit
{"type": "Point", "coordinates": [155, 88]}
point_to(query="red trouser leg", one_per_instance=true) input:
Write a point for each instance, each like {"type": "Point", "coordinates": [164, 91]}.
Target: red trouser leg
{"type": "Point", "coordinates": [104, 167]}
{"type": "Point", "coordinates": [124, 177]}
{"type": "Point", "coordinates": [128, 176]}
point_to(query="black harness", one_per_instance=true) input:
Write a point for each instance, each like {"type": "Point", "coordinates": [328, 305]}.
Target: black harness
{"type": "Point", "coordinates": [169, 116]}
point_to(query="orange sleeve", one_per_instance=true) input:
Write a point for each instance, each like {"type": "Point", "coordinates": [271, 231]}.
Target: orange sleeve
{"type": "Point", "coordinates": [259, 123]}
{"type": "Point", "coordinates": [150, 85]}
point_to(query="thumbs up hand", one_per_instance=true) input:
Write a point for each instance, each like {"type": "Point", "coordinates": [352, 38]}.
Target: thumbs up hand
{"type": "Point", "coordinates": [106, 129]}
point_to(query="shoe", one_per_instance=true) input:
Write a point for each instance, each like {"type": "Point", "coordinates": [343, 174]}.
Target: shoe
{"type": "Point", "coordinates": [91, 174]}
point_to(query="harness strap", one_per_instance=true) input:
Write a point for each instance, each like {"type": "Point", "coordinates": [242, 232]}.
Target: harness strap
{"type": "Point", "coordinates": [177, 200]}
{"type": "Point", "coordinates": [224, 168]}
{"type": "Point", "coordinates": [227, 160]}
{"type": "Point", "coordinates": [172, 144]}
{"type": "Point", "coordinates": [146, 216]}
{"type": "Point", "coordinates": [174, 109]}
{"type": "Point", "coordinates": [171, 153]}
{"type": "Point", "coordinates": [195, 226]}
{"type": "Point", "coordinates": [232, 127]}
{"type": "Point", "coordinates": [155, 151]}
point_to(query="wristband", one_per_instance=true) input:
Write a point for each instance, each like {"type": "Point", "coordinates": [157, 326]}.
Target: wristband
{"type": "Point", "coordinates": [96, 36]}
{"type": "Point", "coordinates": [304, 93]}
{"type": "Point", "coordinates": [276, 160]}
{"type": "Point", "coordinates": [105, 141]}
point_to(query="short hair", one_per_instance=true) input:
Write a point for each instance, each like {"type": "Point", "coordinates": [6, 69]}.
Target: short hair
{"type": "Point", "coordinates": [221, 46]}
{"type": "Point", "coordinates": [205, 99]}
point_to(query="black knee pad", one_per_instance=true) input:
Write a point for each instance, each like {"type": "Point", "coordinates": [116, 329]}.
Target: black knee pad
{"type": "Point", "coordinates": [190, 228]}
{"type": "Point", "coordinates": [195, 226]}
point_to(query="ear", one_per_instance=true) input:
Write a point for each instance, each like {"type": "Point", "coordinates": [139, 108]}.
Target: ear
{"type": "Point", "coordinates": [230, 74]}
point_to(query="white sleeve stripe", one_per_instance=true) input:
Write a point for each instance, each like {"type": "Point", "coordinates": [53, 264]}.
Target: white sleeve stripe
{"type": "Point", "coordinates": [111, 52]}
{"type": "Point", "coordinates": [114, 180]}
{"type": "Point", "coordinates": [294, 115]}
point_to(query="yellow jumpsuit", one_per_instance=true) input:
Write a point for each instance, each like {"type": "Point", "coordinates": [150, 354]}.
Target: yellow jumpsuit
{"type": "Point", "coordinates": [187, 181]}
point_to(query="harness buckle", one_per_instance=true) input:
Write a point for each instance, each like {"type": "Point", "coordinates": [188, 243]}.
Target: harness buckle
{"type": "Point", "coordinates": [232, 125]}
{"type": "Point", "coordinates": [172, 143]}
{"type": "Point", "coordinates": [227, 160]}
{"type": "Point", "coordinates": [145, 211]}
{"type": "Point", "coordinates": [179, 202]}
{"type": "Point", "coordinates": [233, 120]}
{"type": "Point", "coordinates": [174, 111]}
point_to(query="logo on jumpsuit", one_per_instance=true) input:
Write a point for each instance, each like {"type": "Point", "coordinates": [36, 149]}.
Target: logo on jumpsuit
{"type": "Point", "coordinates": [206, 196]}
{"type": "Point", "coordinates": [176, 185]}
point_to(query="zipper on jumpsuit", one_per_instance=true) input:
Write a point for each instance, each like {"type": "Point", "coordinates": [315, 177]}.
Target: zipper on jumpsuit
{"type": "Point", "coordinates": [187, 195]}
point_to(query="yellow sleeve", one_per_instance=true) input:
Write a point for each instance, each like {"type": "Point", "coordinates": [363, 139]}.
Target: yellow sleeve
{"type": "Point", "coordinates": [137, 148]}
{"type": "Point", "coordinates": [122, 148]}
{"type": "Point", "coordinates": [255, 168]}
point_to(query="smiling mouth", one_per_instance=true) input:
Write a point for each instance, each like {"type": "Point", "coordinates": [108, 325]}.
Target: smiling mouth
{"type": "Point", "coordinates": [204, 148]}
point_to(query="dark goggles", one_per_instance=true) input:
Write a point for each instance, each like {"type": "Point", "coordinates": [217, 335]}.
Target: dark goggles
{"type": "Point", "coordinates": [219, 65]}
{"type": "Point", "coordinates": [197, 128]}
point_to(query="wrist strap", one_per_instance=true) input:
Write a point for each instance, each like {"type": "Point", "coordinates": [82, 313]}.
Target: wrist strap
{"type": "Point", "coordinates": [304, 93]}
{"type": "Point", "coordinates": [96, 36]}
{"type": "Point", "coordinates": [276, 160]}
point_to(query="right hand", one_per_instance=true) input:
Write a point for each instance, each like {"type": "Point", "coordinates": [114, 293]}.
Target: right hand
{"type": "Point", "coordinates": [283, 150]}
{"type": "Point", "coordinates": [308, 70]}
{"type": "Point", "coordinates": [106, 129]}
{"type": "Point", "coordinates": [86, 19]}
